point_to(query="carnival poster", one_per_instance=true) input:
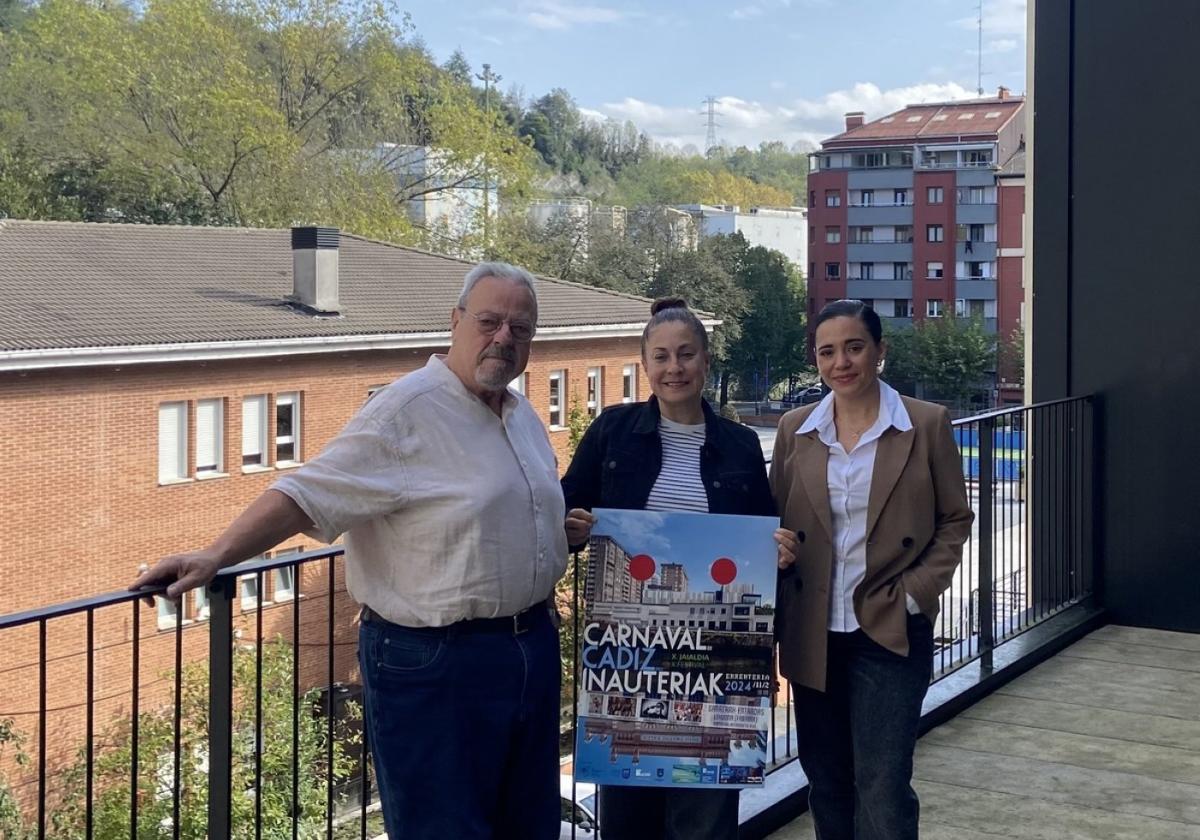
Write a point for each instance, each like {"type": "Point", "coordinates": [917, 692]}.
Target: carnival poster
{"type": "Point", "coordinates": [675, 670]}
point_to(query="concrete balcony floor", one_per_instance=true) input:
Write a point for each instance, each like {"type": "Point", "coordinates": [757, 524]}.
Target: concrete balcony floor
{"type": "Point", "coordinates": [1101, 742]}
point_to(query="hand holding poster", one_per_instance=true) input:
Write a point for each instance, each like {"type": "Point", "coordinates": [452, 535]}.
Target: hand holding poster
{"type": "Point", "coordinates": [676, 658]}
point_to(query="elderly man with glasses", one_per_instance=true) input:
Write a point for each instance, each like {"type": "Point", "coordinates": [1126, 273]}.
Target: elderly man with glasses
{"type": "Point", "coordinates": [447, 490]}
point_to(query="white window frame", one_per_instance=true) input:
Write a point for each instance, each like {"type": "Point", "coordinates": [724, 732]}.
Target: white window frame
{"type": "Point", "coordinates": [932, 267]}
{"type": "Point", "coordinates": [554, 398]}
{"type": "Point", "coordinates": [210, 413]}
{"type": "Point", "coordinates": [960, 307]}
{"type": "Point", "coordinates": [294, 399]}
{"type": "Point", "coordinates": [935, 195]}
{"type": "Point", "coordinates": [252, 436]}
{"type": "Point", "coordinates": [595, 391]}
{"type": "Point", "coordinates": [200, 605]}
{"type": "Point", "coordinates": [833, 235]}
{"type": "Point", "coordinates": [629, 383]}
{"type": "Point", "coordinates": [280, 591]}
{"type": "Point", "coordinates": [935, 233]}
{"type": "Point", "coordinates": [933, 308]}
{"type": "Point", "coordinates": [833, 198]}
{"type": "Point", "coordinates": [167, 612]}
{"type": "Point", "coordinates": [172, 442]}
{"type": "Point", "coordinates": [248, 594]}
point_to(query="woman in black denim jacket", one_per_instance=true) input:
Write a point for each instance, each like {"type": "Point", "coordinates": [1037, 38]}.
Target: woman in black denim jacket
{"type": "Point", "coordinates": [670, 453]}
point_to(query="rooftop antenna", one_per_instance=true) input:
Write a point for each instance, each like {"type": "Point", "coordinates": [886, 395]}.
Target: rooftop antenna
{"type": "Point", "coordinates": [710, 139]}
{"type": "Point", "coordinates": [979, 52]}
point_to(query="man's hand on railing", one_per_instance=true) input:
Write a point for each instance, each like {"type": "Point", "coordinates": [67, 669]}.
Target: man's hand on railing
{"type": "Point", "coordinates": [180, 573]}
{"type": "Point", "coordinates": [270, 519]}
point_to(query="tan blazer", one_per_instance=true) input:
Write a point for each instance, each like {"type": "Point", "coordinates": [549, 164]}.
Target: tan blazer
{"type": "Point", "coordinates": [918, 518]}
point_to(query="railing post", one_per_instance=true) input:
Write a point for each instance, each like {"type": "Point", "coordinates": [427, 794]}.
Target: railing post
{"type": "Point", "coordinates": [987, 640]}
{"type": "Point", "coordinates": [220, 707]}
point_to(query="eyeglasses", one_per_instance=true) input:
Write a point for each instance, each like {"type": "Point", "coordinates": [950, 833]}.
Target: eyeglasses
{"type": "Point", "coordinates": [489, 323]}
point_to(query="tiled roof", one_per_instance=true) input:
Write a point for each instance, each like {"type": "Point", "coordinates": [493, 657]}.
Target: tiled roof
{"type": "Point", "coordinates": [928, 123]}
{"type": "Point", "coordinates": [81, 285]}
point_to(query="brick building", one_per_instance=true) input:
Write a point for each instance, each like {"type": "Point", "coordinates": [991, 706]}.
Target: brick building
{"type": "Point", "coordinates": [155, 380]}
{"type": "Point", "coordinates": [920, 213]}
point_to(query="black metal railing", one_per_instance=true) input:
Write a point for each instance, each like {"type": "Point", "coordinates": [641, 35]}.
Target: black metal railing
{"type": "Point", "coordinates": [142, 731]}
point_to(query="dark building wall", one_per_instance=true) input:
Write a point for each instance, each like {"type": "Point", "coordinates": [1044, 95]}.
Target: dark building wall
{"type": "Point", "coordinates": [1116, 300]}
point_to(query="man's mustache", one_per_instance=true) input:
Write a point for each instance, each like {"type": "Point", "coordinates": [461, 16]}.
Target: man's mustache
{"type": "Point", "coordinates": [501, 352]}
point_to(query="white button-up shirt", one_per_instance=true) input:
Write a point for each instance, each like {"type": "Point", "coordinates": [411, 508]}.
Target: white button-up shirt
{"type": "Point", "coordinates": [450, 512]}
{"type": "Point", "coordinates": [849, 476]}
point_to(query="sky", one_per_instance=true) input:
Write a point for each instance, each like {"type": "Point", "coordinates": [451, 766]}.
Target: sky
{"type": "Point", "coordinates": [696, 540]}
{"type": "Point", "coordinates": [783, 70]}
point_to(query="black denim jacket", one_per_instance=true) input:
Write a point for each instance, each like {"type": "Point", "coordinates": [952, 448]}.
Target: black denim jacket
{"type": "Point", "coordinates": [620, 456]}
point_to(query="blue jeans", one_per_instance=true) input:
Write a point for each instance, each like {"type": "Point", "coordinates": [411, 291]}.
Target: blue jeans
{"type": "Point", "coordinates": [641, 813]}
{"type": "Point", "coordinates": [463, 729]}
{"type": "Point", "coordinates": [856, 739]}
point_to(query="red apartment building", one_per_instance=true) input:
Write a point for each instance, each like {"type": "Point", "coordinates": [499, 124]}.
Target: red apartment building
{"type": "Point", "coordinates": [920, 213]}
{"type": "Point", "coordinates": [155, 380]}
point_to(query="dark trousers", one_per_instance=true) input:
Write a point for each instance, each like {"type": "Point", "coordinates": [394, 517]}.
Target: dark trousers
{"type": "Point", "coordinates": [639, 813]}
{"type": "Point", "coordinates": [856, 739]}
{"type": "Point", "coordinates": [463, 729]}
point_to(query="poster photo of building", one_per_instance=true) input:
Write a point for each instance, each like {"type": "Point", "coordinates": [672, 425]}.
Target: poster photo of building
{"type": "Point", "coordinates": [676, 649]}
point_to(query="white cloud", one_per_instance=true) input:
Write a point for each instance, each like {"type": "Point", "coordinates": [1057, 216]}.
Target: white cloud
{"type": "Point", "coordinates": [552, 15]}
{"type": "Point", "coordinates": [1000, 45]}
{"type": "Point", "coordinates": [746, 12]}
{"type": "Point", "coordinates": [749, 122]}
{"type": "Point", "coordinates": [776, 84]}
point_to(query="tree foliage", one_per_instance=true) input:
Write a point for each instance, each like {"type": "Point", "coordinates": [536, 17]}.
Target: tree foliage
{"type": "Point", "coordinates": [157, 769]}
{"type": "Point", "coordinates": [249, 112]}
{"type": "Point", "coordinates": [951, 357]}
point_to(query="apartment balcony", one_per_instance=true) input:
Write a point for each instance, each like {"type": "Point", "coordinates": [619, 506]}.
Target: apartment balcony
{"type": "Point", "coordinates": [870, 288]}
{"type": "Point", "coordinates": [879, 214]}
{"type": "Point", "coordinates": [880, 179]}
{"type": "Point", "coordinates": [256, 709]}
{"type": "Point", "coordinates": [968, 251]}
{"type": "Point", "coordinates": [873, 252]}
{"type": "Point", "coordinates": [975, 288]}
{"type": "Point", "coordinates": [975, 214]}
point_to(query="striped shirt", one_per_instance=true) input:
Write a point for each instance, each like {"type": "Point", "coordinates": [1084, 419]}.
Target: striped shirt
{"type": "Point", "coordinates": [679, 486]}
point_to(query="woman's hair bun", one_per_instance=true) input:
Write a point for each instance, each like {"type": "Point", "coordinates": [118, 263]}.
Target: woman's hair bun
{"type": "Point", "coordinates": [667, 303]}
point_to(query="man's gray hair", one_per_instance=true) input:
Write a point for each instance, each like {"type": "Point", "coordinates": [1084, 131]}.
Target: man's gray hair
{"type": "Point", "coordinates": [501, 270]}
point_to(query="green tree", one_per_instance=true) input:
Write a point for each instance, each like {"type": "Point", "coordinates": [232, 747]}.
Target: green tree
{"type": "Point", "coordinates": [263, 112]}
{"type": "Point", "coordinates": [772, 346]}
{"type": "Point", "coordinates": [952, 358]}
{"type": "Point", "coordinates": [156, 760]}
{"type": "Point", "coordinates": [12, 823]}
{"type": "Point", "coordinates": [1011, 357]}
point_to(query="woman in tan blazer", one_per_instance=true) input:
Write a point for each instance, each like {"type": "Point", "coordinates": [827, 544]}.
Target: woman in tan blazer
{"type": "Point", "coordinates": [872, 484]}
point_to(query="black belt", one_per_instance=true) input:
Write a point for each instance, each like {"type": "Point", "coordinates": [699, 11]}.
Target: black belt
{"type": "Point", "coordinates": [515, 625]}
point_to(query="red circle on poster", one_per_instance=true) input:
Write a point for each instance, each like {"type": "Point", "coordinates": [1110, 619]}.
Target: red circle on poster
{"type": "Point", "coordinates": [641, 567]}
{"type": "Point", "coordinates": [723, 571]}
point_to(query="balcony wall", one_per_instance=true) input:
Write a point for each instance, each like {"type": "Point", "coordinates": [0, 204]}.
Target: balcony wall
{"type": "Point", "coordinates": [878, 179]}
{"type": "Point", "coordinates": [975, 214]}
{"type": "Point", "coordinates": [881, 214]}
{"type": "Point", "coordinates": [975, 177]}
{"type": "Point", "coordinates": [980, 251]}
{"type": "Point", "coordinates": [975, 289]}
{"type": "Point", "coordinates": [879, 288]}
{"type": "Point", "coordinates": [880, 252]}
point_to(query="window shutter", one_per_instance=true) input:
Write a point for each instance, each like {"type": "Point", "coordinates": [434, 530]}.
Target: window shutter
{"type": "Point", "coordinates": [208, 435]}
{"type": "Point", "coordinates": [252, 429]}
{"type": "Point", "coordinates": [172, 441]}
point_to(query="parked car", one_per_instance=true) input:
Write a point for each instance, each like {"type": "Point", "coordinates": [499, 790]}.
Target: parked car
{"type": "Point", "coordinates": [804, 396]}
{"type": "Point", "coordinates": [581, 813]}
